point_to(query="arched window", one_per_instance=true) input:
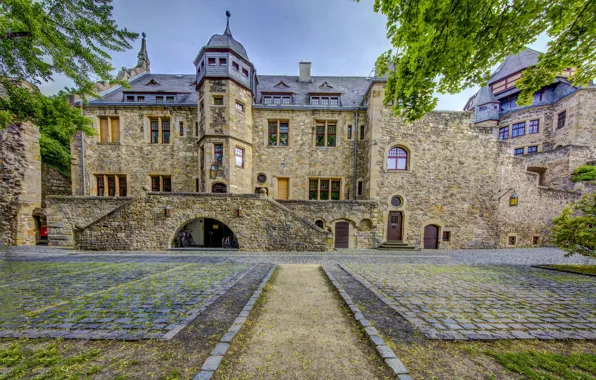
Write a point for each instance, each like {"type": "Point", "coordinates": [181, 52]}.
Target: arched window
{"type": "Point", "coordinates": [397, 159]}
{"type": "Point", "coordinates": [219, 188]}
{"type": "Point", "coordinates": [319, 223]}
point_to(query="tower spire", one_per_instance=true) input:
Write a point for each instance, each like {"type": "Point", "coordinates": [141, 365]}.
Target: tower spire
{"type": "Point", "coordinates": [142, 56]}
{"type": "Point", "coordinates": [228, 32]}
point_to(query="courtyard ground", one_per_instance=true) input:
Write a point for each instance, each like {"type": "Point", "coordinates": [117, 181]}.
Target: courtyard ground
{"type": "Point", "coordinates": [58, 307]}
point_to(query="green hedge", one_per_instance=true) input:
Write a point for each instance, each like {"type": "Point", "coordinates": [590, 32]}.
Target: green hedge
{"type": "Point", "coordinates": [584, 173]}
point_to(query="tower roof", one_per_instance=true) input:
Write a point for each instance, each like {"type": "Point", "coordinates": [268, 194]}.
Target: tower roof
{"type": "Point", "coordinates": [514, 63]}
{"type": "Point", "coordinates": [142, 56]}
{"type": "Point", "coordinates": [226, 40]}
{"type": "Point", "coordinates": [485, 96]}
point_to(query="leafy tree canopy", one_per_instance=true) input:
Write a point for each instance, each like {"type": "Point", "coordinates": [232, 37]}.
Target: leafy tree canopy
{"type": "Point", "coordinates": [450, 45]}
{"type": "Point", "coordinates": [42, 38]}
{"type": "Point", "coordinates": [584, 173]}
{"type": "Point", "coordinates": [574, 231]}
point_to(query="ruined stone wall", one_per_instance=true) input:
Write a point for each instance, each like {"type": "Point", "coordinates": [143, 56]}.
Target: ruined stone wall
{"type": "Point", "coordinates": [536, 208]}
{"type": "Point", "coordinates": [20, 185]}
{"type": "Point", "coordinates": [64, 212]}
{"type": "Point", "coordinates": [557, 165]}
{"type": "Point", "coordinates": [53, 183]}
{"type": "Point", "coordinates": [301, 159]}
{"type": "Point", "coordinates": [362, 216]}
{"type": "Point", "coordinates": [134, 155]}
{"type": "Point", "coordinates": [142, 225]}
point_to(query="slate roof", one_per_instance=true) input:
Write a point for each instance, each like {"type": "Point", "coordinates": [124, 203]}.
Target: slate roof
{"type": "Point", "coordinates": [514, 63]}
{"type": "Point", "coordinates": [485, 96]}
{"type": "Point", "coordinates": [227, 41]}
{"type": "Point", "coordinates": [182, 84]}
{"type": "Point", "coordinates": [352, 89]}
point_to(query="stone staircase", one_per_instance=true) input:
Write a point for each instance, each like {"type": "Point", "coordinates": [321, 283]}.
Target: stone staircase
{"type": "Point", "coordinates": [396, 246]}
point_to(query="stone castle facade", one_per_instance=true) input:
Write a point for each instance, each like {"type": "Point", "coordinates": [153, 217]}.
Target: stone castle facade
{"type": "Point", "coordinates": [310, 163]}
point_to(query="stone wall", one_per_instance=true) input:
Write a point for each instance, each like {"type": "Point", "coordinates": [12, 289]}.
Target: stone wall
{"type": "Point", "coordinates": [141, 224]}
{"type": "Point", "coordinates": [64, 212]}
{"type": "Point", "coordinates": [20, 188]}
{"type": "Point", "coordinates": [53, 183]}
{"type": "Point", "coordinates": [555, 166]}
{"type": "Point", "coordinates": [362, 217]}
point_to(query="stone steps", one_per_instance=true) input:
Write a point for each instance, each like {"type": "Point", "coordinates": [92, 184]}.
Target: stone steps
{"type": "Point", "coordinates": [396, 246]}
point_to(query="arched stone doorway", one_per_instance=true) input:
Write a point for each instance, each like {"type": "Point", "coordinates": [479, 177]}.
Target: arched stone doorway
{"type": "Point", "coordinates": [220, 188]}
{"type": "Point", "coordinates": [431, 237]}
{"type": "Point", "coordinates": [206, 233]}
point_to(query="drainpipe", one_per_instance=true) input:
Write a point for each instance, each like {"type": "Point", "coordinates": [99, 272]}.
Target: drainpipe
{"type": "Point", "coordinates": [83, 158]}
{"type": "Point", "coordinates": [355, 135]}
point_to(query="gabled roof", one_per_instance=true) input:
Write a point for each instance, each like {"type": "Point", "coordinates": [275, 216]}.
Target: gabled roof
{"type": "Point", "coordinates": [514, 63]}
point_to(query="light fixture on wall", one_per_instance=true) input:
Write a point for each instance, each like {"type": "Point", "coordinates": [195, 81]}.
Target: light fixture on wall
{"type": "Point", "coordinates": [212, 172]}
{"type": "Point", "coordinates": [513, 199]}
{"type": "Point", "coordinates": [239, 212]}
{"type": "Point", "coordinates": [167, 211]}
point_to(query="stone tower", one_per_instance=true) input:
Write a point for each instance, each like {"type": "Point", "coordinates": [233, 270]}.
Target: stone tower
{"type": "Point", "coordinates": [226, 84]}
{"type": "Point", "coordinates": [486, 108]}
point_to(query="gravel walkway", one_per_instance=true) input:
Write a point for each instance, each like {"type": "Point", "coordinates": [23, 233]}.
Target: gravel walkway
{"type": "Point", "coordinates": [302, 331]}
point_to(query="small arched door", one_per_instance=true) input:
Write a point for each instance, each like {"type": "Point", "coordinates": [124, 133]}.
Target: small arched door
{"type": "Point", "coordinates": [219, 188]}
{"type": "Point", "coordinates": [342, 235]}
{"type": "Point", "coordinates": [431, 237]}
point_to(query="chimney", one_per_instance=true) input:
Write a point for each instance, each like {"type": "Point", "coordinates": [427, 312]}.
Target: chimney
{"type": "Point", "coordinates": [304, 72]}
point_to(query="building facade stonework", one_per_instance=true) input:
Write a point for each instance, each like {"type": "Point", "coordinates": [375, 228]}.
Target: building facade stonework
{"type": "Point", "coordinates": [319, 162]}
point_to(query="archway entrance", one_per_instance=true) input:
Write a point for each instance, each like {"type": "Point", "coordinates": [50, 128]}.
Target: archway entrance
{"type": "Point", "coordinates": [431, 237]}
{"type": "Point", "coordinates": [342, 235]}
{"type": "Point", "coordinates": [207, 233]}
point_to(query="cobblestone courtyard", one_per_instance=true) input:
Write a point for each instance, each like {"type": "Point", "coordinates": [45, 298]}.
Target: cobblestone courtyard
{"type": "Point", "coordinates": [485, 294]}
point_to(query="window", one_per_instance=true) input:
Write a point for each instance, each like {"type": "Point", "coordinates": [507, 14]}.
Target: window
{"type": "Point", "coordinates": [140, 99]}
{"type": "Point", "coordinates": [235, 66]}
{"type": "Point", "coordinates": [258, 190]}
{"type": "Point", "coordinates": [518, 129]}
{"type": "Point", "coordinates": [509, 103]}
{"type": "Point", "coordinates": [201, 106]}
{"type": "Point", "coordinates": [219, 188]}
{"type": "Point", "coordinates": [534, 126]}
{"type": "Point", "coordinates": [160, 130]}
{"type": "Point", "coordinates": [181, 125]}
{"type": "Point", "coordinates": [511, 240]}
{"type": "Point", "coordinates": [319, 223]}
{"type": "Point", "coordinates": [218, 154]}
{"type": "Point", "coordinates": [518, 151]}
{"type": "Point", "coordinates": [218, 101]}
{"type": "Point", "coordinates": [239, 106]}
{"type": "Point", "coordinates": [244, 72]}
{"type": "Point", "coordinates": [130, 98]}
{"type": "Point", "coordinates": [535, 240]}
{"type": "Point", "coordinates": [446, 235]}
{"type": "Point", "coordinates": [533, 149]}
{"type": "Point", "coordinates": [538, 96]}
{"type": "Point", "coordinates": [159, 99]}
{"type": "Point", "coordinates": [561, 119]}
{"type": "Point", "coordinates": [505, 84]}
{"type": "Point", "coordinates": [360, 188]}
{"type": "Point", "coordinates": [202, 158]}
{"type": "Point", "coordinates": [197, 185]}
{"type": "Point", "coordinates": [324, 189]}
{"type": "Point", "coordinates": [278, 133]}
{"type": "Point", "coordinates": [277, 100]}
{"type": "Point", "coordinates": [396, 201]}
{"type": "Point", "coordinates": [161, 183]}
{"type": "Point", "coordinates": [223, 61]}
{"type": "Point", "coordinates": [196, 128]}
{"type": "Point", "coordinates": [169, 99]}
{"type": "Point", "coordinates": [362, 131]}
{"type": "Point", "coordinates": [240, 157]}
{"type": "Point", "coordinates": [261, 178]}
{"type": "Point", "coordinates": [349, 134]}
{"type": "Point", "coordinates": [397, 159]}
{"type": "Point", "coordinates": [211, 61]}
{"type": "Point", "coordinates": [325, 133]}
{"type": "Point", "coordinates": [111, 185]}
{"type": "Point", "coordinates": [504, 133]}
{"type": "Point", "coordinates": [109, 129]}
{"type": "Point", "coordinates": [324, 100]}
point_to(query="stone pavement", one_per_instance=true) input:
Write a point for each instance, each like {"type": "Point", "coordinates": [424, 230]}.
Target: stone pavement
{"type": "Point", "coordinates": [459, 294]}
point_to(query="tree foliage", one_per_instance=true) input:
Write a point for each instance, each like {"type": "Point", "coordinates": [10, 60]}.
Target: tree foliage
{"type": "Point", "coordinates": [447, 46]}
{"type": "Point", "coordinates": [42, 38]}
{"type": "Point", "coordinates": [574, 231]}
{"type": "Point", "coordinates": [584, 173]}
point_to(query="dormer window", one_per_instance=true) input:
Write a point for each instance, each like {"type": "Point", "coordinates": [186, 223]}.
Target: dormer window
{"type": "Point", "coordinates": [130, 98]}
{"type": "Point", "coordinates": [244, 72]}
{"type": "Point", "coordinates": [505, 84]}
{"type": "Point", "coordinates": [223, 61]}
{"type": "Point", "coordinates": [277, 100]}
{"type": "Point", "coordinates": [169, 99]}
{"type": "Point", "coordinates": [211, 61]}
{"type": "Point", "coordinates": [140, 99]}
{"type": "Point", "coordinates": [235, 66]}
{"type": "Point", "coordinates": [159, 99]}
{"type": "Point", "coordinates": [324, 101]}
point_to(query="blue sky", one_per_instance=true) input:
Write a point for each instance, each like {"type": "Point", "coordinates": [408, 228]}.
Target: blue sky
{"type": "Point", "coordinates": [339, 37]}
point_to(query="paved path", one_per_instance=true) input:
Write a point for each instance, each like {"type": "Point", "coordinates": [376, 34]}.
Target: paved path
{"type": "Point", "coordinates": [302, 333]}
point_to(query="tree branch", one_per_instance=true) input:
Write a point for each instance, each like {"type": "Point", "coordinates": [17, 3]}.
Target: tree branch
{"type": "Point", "coordinates": [13, 35]}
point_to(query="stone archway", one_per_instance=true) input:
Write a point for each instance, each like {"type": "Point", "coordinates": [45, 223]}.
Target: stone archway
{"type": "Point", "coordinates": [206, 233]}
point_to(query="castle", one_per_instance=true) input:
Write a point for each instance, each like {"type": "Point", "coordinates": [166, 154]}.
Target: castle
{"type": "Point", "coordinates": [313, 163]}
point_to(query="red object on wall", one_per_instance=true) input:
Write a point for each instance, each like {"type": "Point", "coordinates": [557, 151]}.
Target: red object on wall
{"type": "Point", "coordinates": [43, 231]}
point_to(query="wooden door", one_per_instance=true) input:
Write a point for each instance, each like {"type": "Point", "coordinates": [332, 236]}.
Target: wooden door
{"type": "Point", "coordinates": [431, 237]}
{"type": "Point", "coordinates": [342, 235]}
{"type": "Point", "coordinates": [394, 226]}
{"type": "Point", "coordinates": [282, 188]}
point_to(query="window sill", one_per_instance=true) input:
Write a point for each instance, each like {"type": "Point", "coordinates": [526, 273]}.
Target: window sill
{"type": "Point", "coordinates": [277, 146]}
{"type": "Point", "coordinates": [398, 171]}
{"type": "Point", "coordinates": [107, 143]}
{"type": "Point", "coordinates": [332, 146]}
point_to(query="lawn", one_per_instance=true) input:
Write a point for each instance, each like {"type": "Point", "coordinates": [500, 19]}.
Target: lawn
{"type": "Point", "coordinates": [573, 268]}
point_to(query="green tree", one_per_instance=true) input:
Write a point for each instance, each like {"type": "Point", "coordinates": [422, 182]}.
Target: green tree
{"type": "Point", "coordinates": [43, 38]}
{"type": "Point", "coordinates": [574, 231]}
{"type": "Point", "coordinates": [446, 46]}
{"type": "Point", "coordinates": [584, 173]}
